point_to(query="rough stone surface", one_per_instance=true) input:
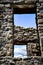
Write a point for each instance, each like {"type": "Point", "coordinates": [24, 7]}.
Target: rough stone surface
{"type": "Point", "coordinates": [9, 34]}
{"type": "Point", "coordinates": [6, 30]}
{"type": "Point", "coordinates": [25, 34]}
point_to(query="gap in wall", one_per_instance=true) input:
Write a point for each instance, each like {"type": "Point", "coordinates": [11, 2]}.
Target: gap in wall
{"type": "Point", "coordinates": [20, 51]}
{"type": "Point", "coordinates": [23, 21]}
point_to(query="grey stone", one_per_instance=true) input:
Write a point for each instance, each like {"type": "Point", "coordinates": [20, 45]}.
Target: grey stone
{"type": "Point", "coordinates": [10, 35]}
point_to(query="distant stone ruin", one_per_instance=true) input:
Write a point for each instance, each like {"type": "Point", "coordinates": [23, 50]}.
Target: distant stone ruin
{"type": "Point", "coordinates": [11, 35]}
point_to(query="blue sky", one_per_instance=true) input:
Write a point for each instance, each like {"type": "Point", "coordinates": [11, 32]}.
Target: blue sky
{"type": "Point", "coordinates": [23, 20]}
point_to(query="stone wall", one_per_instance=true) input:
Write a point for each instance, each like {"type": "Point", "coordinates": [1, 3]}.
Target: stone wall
{"type": "Point", "coordinates": [19, 61]}
{"type": "Point", "coordinates": [27, 36]}
{"type": "Point", "coordinates": [6, 30]}
{"type": "Point", "coordinates": [17, 1]}
{"type": "Point", "coordinates": [8, 33]}
{"type": "Point", "coordinates": [40, 22]}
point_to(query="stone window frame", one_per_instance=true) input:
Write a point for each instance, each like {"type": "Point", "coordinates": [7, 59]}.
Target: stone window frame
{"type": "Point", "coordinates": [23, 11]}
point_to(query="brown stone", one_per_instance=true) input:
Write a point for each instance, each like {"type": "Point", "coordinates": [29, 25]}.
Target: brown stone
{"type": "Point", "coordinates": [10, 34]}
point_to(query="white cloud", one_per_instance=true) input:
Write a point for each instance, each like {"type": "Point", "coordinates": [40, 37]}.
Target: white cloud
{"type": "Point", "coordinates": [20, 51]}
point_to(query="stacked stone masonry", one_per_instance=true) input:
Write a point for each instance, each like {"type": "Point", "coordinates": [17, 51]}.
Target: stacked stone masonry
{"type": "Point", "coordinates": [6, 28]}
{"type": "Point", "coordinates": [9, 34]}
{"type": "Point", "coordinates": [27, 36]}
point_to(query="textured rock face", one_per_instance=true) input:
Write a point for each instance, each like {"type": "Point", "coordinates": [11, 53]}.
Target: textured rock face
{"type": "Point", "coordinates": [9, 34]}
{"type": "Point", "coordinates": [22, 34]}
{"type": "Point", "coordinates": [40, 23]}
{"type": "Point", "coordinates": [19, 61]}
{"type": "Point", "coordinates": [6, 30]}
{"type": "Point", "coordinates": [27, 36]}
{"type": "Point", "coordinates": [18, 1]}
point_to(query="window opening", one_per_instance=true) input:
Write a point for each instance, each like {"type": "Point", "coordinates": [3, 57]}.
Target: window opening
{"type": "Point", "coordinates": [20, 51]}
{"type": "Point", "coordinates": [25, 20]}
